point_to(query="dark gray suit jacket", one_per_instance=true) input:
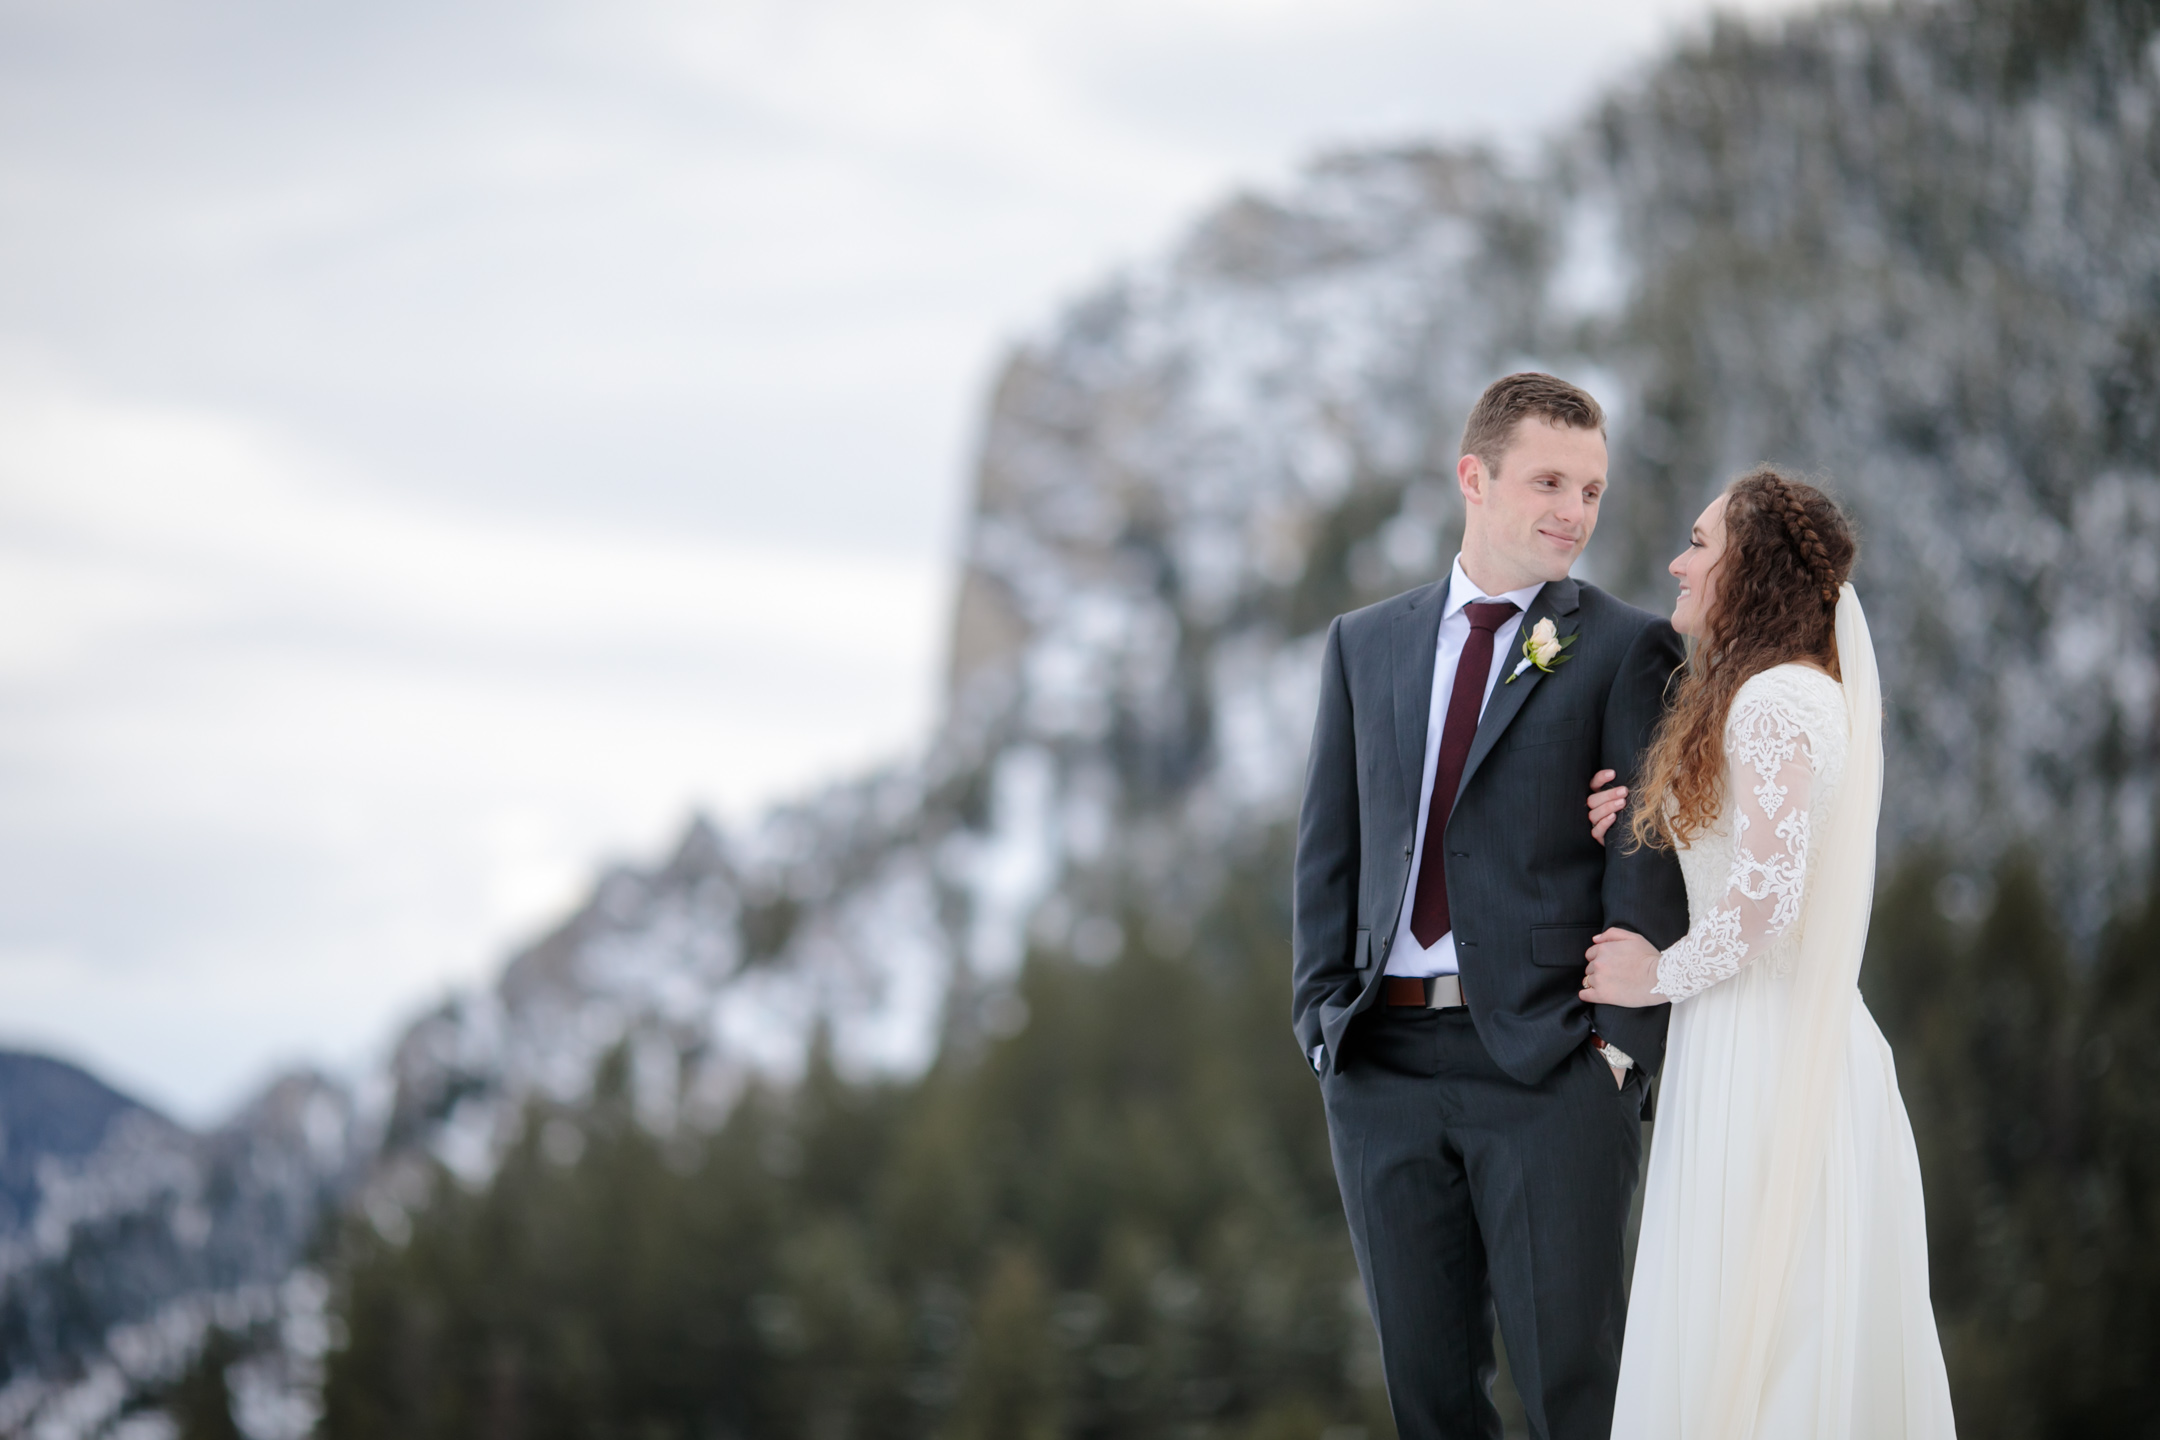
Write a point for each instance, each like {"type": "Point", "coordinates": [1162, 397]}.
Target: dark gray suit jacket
{"type": "Point", "coordinates": [1527, 886]}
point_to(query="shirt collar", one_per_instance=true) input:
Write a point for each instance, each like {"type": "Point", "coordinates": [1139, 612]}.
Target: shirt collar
{"type": "Point", "coordinates": [1462, 591]}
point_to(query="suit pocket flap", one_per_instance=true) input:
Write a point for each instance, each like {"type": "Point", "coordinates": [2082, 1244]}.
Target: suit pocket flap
{"type": "Point", "coordinates": [1561, 946]}
{"type": "Point", "coordinates": [1542, 732]}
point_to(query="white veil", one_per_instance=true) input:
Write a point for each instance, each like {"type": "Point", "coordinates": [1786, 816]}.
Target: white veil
{"type": "Point", "coordinates": [1834, 922]}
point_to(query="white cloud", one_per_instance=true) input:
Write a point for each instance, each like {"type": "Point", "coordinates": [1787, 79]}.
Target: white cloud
{"type": "Point", "coordinates": [351, 742]}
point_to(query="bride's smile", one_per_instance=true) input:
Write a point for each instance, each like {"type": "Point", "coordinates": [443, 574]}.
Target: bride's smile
{"type": "Point", "coordinates": [1696, 569]}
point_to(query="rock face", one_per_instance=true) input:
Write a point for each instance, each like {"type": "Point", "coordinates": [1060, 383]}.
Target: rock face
{"type": "Point", "coordinates": [1914, 251]}
{"type": "Point", "coordinates": [1172, 484]}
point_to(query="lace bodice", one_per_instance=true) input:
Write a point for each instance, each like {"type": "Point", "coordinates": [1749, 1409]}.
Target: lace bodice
{"type": "Point", "coordinates": [1785, 743]}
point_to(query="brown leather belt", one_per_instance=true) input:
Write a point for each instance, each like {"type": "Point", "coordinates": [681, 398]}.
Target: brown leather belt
{"type": "Point", "coordinates": [1433, 992]}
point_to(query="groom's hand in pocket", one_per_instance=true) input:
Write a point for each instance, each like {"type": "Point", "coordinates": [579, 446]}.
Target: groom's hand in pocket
{"type": "Point", "coordinates": [1623, 970]}
{"type": "Point", "coordinates": [1605, 805]}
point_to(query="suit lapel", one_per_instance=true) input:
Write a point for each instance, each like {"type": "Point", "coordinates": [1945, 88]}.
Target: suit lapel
{"type": "Point", "coordinates": [1417, 651]}
{"type": "Point", "coordinates": [1558, 603]}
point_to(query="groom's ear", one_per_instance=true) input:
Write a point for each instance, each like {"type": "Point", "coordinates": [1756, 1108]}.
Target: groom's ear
{"type": "Point", "coordinates": [1470, 474]}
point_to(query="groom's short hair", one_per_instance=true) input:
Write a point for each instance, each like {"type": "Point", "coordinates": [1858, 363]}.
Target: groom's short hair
{"type": "Point", "coordinates": [1491, 427]}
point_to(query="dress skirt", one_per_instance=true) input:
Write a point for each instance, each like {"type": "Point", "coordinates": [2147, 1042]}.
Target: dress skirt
{"type": "Point", "coordinates": [1855, 1352]}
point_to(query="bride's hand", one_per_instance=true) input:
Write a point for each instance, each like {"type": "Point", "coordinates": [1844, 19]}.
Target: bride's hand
{"type": "Point", "coordinates": [1623, 970]}
{"type": "Point", "coordinates": [1605, 805]}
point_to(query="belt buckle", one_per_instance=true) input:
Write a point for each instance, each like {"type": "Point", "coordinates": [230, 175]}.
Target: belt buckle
{"type": "Point", "coordinates": [1443, 992]}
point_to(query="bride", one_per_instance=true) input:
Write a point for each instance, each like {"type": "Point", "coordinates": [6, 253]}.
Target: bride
{"type": "Point", "coordinates": [1781, 1285]}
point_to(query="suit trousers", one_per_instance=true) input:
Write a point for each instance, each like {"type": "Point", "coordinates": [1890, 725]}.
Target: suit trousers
{"type": "Point", "coordinates": [1468, 1192]}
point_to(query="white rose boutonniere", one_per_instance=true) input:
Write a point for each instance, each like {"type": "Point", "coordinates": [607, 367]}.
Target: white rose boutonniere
{"type": "Point", "coordinates": [1543, 649]}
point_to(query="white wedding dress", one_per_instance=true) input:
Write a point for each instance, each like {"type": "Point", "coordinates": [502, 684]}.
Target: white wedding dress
{"type": "Point", "coordinates": [1781, 1284]}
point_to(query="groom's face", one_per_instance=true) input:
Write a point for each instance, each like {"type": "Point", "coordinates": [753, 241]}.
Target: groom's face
{"type": "Point", "coordinates": [1529, 518]}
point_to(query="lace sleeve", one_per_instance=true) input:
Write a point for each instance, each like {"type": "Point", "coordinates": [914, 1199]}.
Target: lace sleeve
{"type": "Point", "coordinates": [1768, 742]}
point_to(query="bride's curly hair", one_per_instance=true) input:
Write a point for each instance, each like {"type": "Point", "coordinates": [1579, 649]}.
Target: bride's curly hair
{"type": "Point", "coordinates": [1788, 548]}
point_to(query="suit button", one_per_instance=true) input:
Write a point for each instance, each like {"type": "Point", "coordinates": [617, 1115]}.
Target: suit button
{"type": "Point", "coordinates": [1406, 852]}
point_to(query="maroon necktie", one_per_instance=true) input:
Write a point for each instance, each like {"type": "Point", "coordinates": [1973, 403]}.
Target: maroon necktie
{"type": "Point", "coordinates": [1429, 908]}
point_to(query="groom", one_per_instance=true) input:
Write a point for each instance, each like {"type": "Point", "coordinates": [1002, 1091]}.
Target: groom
{"type": "Point", "coordinates": [1485, 1123]}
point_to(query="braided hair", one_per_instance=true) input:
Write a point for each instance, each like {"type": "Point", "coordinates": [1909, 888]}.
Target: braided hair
{"type": "Point", "coordinates": [1783, 499]}
{"type": "Point", "coordinates": [1788, 551]}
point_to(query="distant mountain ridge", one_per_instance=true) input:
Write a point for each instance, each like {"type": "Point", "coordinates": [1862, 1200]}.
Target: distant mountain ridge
{"type": "Point", "coordinates": [127, 1236]}
{"type": "Point", "coordinates": [1914, 249]}
{"type": "Point", "coordinates": [49, 1111]}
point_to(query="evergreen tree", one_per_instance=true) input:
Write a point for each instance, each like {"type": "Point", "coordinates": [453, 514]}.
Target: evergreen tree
{"type": "Point", "coordinates": [2036, 1145]}
{"type": "Point", "coordinates": [1121, 1221]}
{"type": "Point", "coordinates": [201, 1403]}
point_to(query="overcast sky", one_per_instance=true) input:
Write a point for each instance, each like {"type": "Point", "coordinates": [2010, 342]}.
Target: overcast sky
{"type": "Point", "coordinates": [444, 444]}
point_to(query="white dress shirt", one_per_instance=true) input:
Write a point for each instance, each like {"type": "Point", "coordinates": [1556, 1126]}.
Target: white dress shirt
{"type": "Point", "coordinates": [1405, 955]}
